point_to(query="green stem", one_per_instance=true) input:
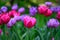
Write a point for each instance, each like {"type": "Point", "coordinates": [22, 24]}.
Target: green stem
{"type": "Point", "coordinates": [24, 35]}
{"type": "Point", "coordinates": [28, 32]}
{"type": "Point", "coordinates": [17, 34]}
{"type": "Point", "coordinates": [52, 32]}
{"type": "Point", "coordinates": [41, 36]}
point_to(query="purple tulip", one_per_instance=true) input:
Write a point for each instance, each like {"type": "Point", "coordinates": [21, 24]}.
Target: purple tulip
{"type": "Point", "coordinates": [48, 3]}
{"type": "Point", "coordinates": [15, 7]}
{"type": "Point", "coordinates": [0, 11]}
{"type": "Point", "coordinates": [17, 18]}
{"type": "Point", "coordinates": [22, 17]}
{"type": "Point", "coordinates": [4, 9]}
{"type": "Point", "coordinates": [33, 11]}
{"type": "Point", "coordinates": [11, 22]}
{"type": "Point", "coordinates": [58, 8]}
{"type": "Point", "coordinates": [53, 23]}
{"type": "Point", "coordinates": [21, 10]}
{"type": "Point", "coordinates": [55, 9]}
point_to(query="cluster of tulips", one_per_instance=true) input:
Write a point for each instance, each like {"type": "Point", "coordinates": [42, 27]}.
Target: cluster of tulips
{"type": "Point", "coordinates": [47, 10]}
{"type": "Point", "coordinates": [11, 17]}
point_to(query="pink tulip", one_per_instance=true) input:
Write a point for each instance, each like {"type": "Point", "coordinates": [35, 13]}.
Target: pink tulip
{"type": "Point", "coordinates": [29, 22]}
{"type": "Point", "coordinates": [42, 9]}
{"type": "Point", "coordinates": [48, 13]}
{"type": "Point", "coordinates": [58, 15]}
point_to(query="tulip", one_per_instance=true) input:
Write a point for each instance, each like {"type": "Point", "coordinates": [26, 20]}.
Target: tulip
{"type": "Point", "coordinates": [48, 4]}
{"type": "Point", "coordinates": [13, 13]}
{"type": "Point", "coordinates": [22, 17]}
{"type": "Point", "coordinates": [5, 18]}
{"type": "Point", "coordinates": [55, 9]}
{"type": "Point", "coordinates": [11, 22]}
{"type": "Point", "coordinates": [58, 15]}
{"type": "Point", "coordinates": [42, 9]}
{"type": "Point", "coordinates": [53, 23]}
{"type": "Point", "coordinates": [4, 9]}
{"type": "Point", "coordinates": [21, 10]}
{"type": "Point", "coordinates": [15, 7]}
{"type": "Point", "coordinates": [0, 12]}
{"type": "Point", "coordinates": [33, 11]}
{"type": "Point", "coordinates": [30, 23]}
{"type": "Point", "coordinates": [48, 13]}
{"type": "Point", "coordinates": [17, 18]}
{"type": "Point", "coordinates": [52, 9]}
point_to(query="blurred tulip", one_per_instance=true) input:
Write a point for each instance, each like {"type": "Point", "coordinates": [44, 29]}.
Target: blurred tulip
{"type": "Point", "coordinates": [15, 7]}
{"type": "Point", "coordinates": [4, 9]}
{"type": "Point", "coordinates": [0, 12]}
{"type": "Point", "coordinates": [53, 23]}
{"type": "Point", "coordinates": [5, 18]}
{"type": "Point", "coordinates": [48, 13]}
{"type": "Point", "coordinates": [52, 9]}
{"type": "Point", "coordinates": [42, 9]}
{"type": "Point", "coordinates": [21, 10]}
{"type": "Point", "coordinates": [22, 17]}
{"type": "Point", "coordinates": [30, 23]}
{"type": "Point", "coordinates": [55, 8]}
{"type": "Point", "coordinates": [17, 18]}
{"type": "Point", "coordinates": [48, 4]}
{"type": "Point", "coordinates": [13, 13]}
{"type": "Point", "coordinates": [11, 22]}
{"type": "Point", "coordinates": [33, 11]}
{"type": "Point", "coordinates": [58, 15]}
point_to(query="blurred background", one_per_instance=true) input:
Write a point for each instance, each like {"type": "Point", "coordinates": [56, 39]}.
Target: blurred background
{"type": "Point", "coordinates": [24, 2]}
{"type": "Point", "coordinates": [39, 32]}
